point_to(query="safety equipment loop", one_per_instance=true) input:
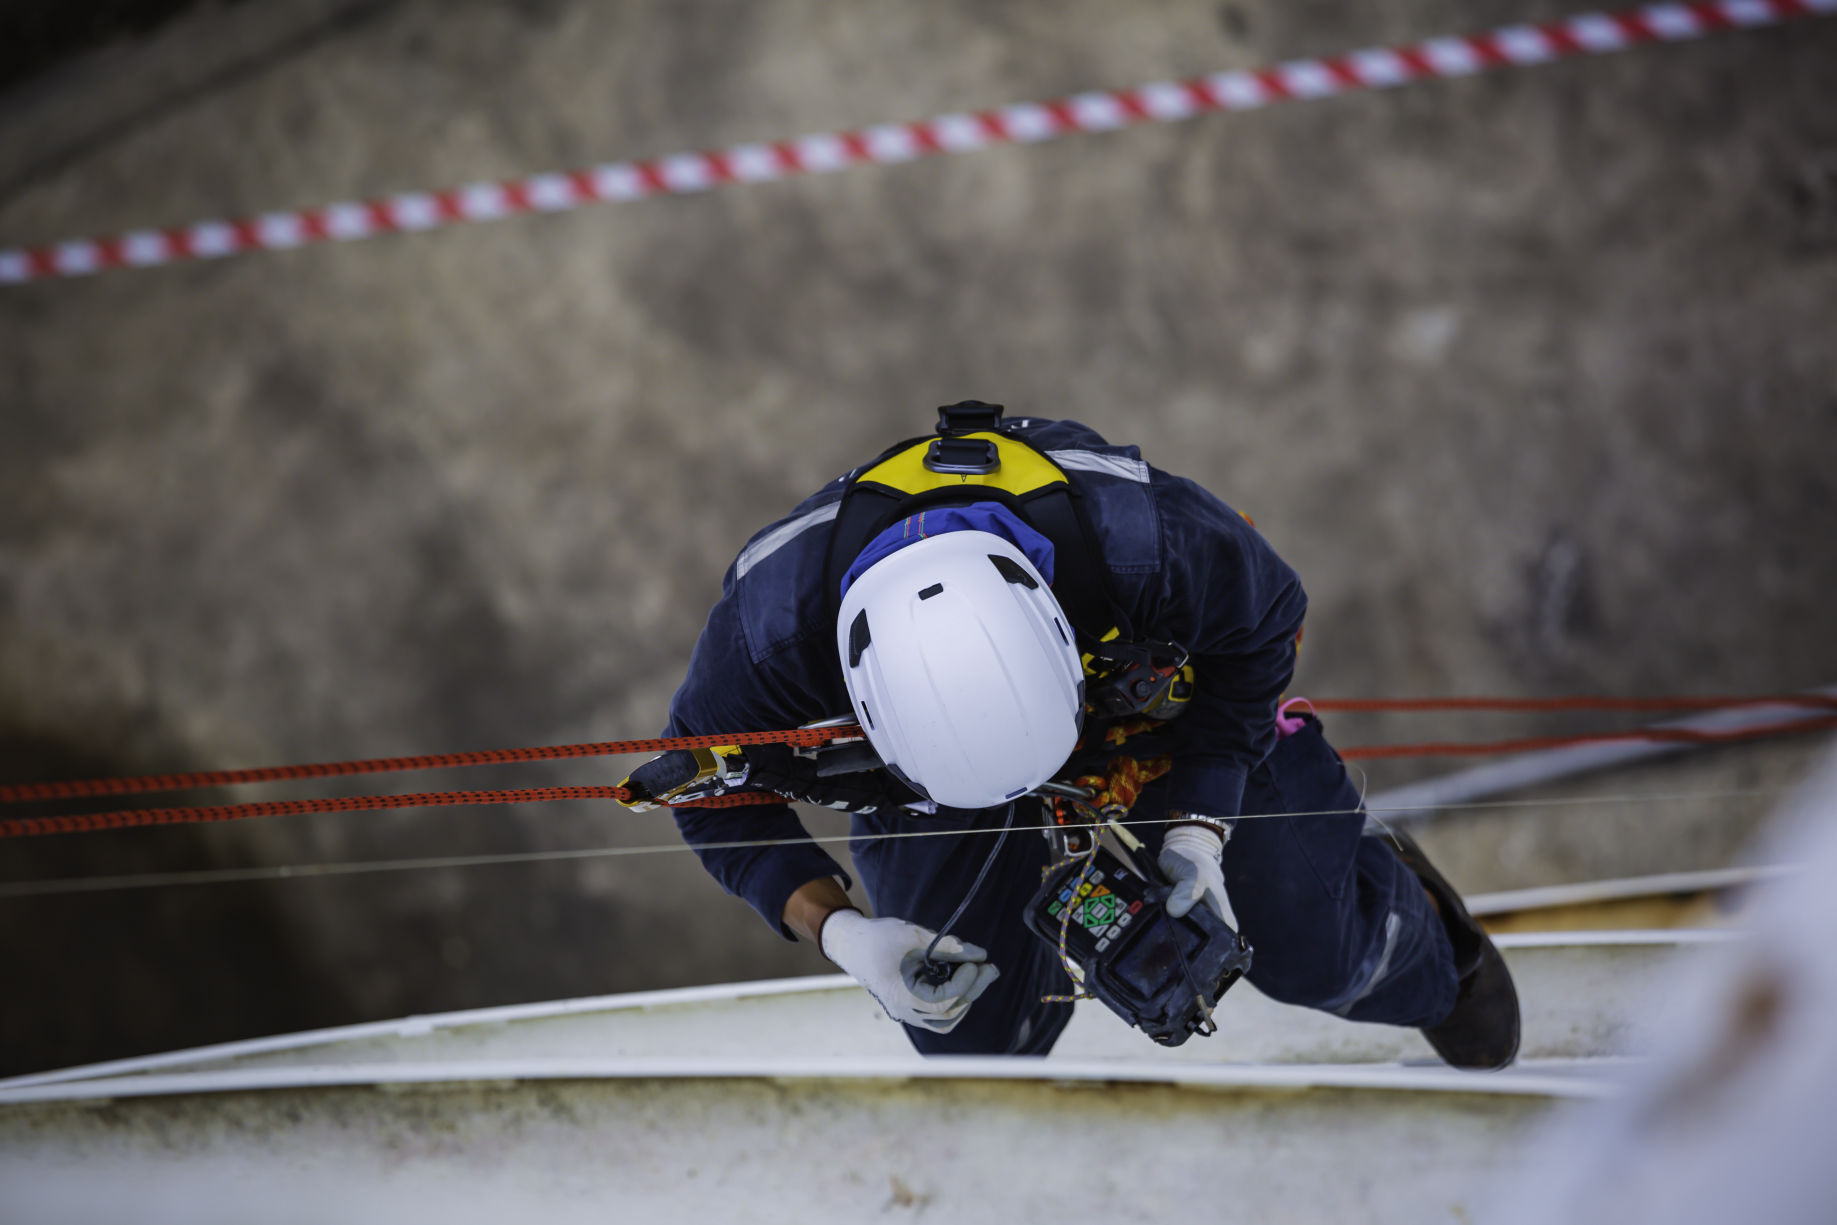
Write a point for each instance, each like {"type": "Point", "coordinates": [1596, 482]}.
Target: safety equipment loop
{"type": "Point", "coordinates": [1089, 856]}
{"type": "Point", "coordinates": [1027, 122]}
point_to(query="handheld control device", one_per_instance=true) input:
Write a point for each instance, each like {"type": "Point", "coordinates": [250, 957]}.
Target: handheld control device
{"type": "Point", "coordinates": [1162, 975]}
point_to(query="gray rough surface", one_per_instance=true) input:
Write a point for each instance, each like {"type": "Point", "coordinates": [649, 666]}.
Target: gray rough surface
{"type": "Point", "coordinates": [755, 1150]}
{"type": "Point", "coordinates": [1530, 375]}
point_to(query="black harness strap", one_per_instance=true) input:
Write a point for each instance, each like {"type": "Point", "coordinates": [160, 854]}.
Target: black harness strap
{"type": "Point", "coordinates": [1080, 581]}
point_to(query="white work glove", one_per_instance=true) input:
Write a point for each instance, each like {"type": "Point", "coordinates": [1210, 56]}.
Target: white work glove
{"type": "Point", "coordinates": [1190, 856]}
{"type": "Point", "coordinates": [887, 956]}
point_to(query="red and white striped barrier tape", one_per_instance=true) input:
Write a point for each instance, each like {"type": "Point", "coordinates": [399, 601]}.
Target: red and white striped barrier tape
{"type": "Point", "coordinates": [1161, 102]}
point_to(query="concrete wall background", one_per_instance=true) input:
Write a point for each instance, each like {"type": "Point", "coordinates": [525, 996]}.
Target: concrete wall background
{"type": "Point", "coordinates": [1531, 376]}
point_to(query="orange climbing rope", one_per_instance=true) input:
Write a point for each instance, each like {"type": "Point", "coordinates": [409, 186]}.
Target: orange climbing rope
{"type": "Point", "coordinates": [21, 792]}
{"type": "Point", "coordinates": [1583, 702]}
{"type": "Point", "coordinates": [89, 822]}
{"type": "Point", "coordinates": [1529, 744]}
{"type": "Point", "coordinates": [128, 818]}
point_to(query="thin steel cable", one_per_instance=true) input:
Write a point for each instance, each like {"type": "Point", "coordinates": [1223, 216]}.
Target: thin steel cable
{"type": "Point", "coordinates": [210, 876]}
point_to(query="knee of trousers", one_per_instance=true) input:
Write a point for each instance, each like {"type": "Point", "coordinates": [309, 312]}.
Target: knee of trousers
{"type": "Point", "coordinates": [1329, 952]}
{"type": "Point", "coordinates": [1387, 961]}
{"type": "Point", "coordinates": [1327, 975]}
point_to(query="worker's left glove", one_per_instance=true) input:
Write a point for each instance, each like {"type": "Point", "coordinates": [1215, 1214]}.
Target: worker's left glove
{"type": "Point", "coordinates": [887, 956]}
{"type": "Point", "coordinates": [1190, 857]}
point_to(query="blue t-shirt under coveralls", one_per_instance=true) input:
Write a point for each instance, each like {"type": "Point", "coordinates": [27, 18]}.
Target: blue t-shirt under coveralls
{"type": "Point", "coordinates": [1184, 568]}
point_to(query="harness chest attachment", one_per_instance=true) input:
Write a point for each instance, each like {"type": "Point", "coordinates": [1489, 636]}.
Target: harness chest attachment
{"type": "Point", "coordinates": [1152, 680]}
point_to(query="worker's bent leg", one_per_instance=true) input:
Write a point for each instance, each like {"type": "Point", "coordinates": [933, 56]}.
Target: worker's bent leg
{"type": "Point", "coordinates": [923, 879]}
{"type": "Point", "coordinates": [1336, 921]}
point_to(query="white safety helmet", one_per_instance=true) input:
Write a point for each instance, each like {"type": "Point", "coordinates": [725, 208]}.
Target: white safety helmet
{"type": "Point", "coordinates": [961, 668]}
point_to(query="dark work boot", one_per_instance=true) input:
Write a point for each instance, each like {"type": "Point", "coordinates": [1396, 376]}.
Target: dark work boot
{"type": "Point", "coordinates": [1481, 1033]}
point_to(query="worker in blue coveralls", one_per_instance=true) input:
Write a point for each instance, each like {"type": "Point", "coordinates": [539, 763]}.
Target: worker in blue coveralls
{"type": "Point", "coordinates": [966, 599]}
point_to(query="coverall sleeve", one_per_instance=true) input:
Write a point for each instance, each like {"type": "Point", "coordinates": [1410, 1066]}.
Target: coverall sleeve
{"type": "Point", "coordinates": [725, 692]}
{"type": "Point", "coordinates": [1237, 607]}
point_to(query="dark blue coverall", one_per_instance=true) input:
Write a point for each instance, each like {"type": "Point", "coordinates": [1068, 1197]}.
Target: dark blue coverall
{"type": "Point", "coordinates": [1336, 921]}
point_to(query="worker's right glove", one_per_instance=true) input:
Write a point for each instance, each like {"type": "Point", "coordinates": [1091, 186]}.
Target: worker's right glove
{"type": "Point", "coordinates": [887, 956]}
{"type": "Point", "coordinates": [1190, 857]}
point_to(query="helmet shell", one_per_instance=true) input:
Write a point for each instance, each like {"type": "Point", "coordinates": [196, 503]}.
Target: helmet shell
{"type": "Point", "coordinates": [962, 669]}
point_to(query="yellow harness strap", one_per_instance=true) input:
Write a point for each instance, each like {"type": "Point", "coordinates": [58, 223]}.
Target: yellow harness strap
{"type": "Point", "coordinates": [1021, 471]}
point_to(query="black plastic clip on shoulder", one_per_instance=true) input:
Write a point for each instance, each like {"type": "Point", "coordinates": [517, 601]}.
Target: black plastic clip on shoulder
{"type": "Point", "coordinates": [968, 417]}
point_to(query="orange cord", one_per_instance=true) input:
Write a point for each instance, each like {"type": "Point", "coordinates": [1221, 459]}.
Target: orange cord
{"type": "Point", "coordinates": [85, 822]}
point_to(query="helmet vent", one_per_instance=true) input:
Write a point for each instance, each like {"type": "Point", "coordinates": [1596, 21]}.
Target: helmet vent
{"type": "Point", "coordinates": [867, 714]}
{"type": "Point", "coordinates": [1012, 571]}
{"type": "Point", "coordinates": [934, 589]}
{"type": "Point", "coordinates": [858, 639]}
{"type": "Point", "coordinates": [1061, 628]}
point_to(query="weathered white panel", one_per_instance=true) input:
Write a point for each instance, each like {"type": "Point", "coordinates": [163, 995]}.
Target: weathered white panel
{"type": "Point", "coordinates": [1581, 993]}
{"type": "Point", "coordinates": [757, 1149]}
